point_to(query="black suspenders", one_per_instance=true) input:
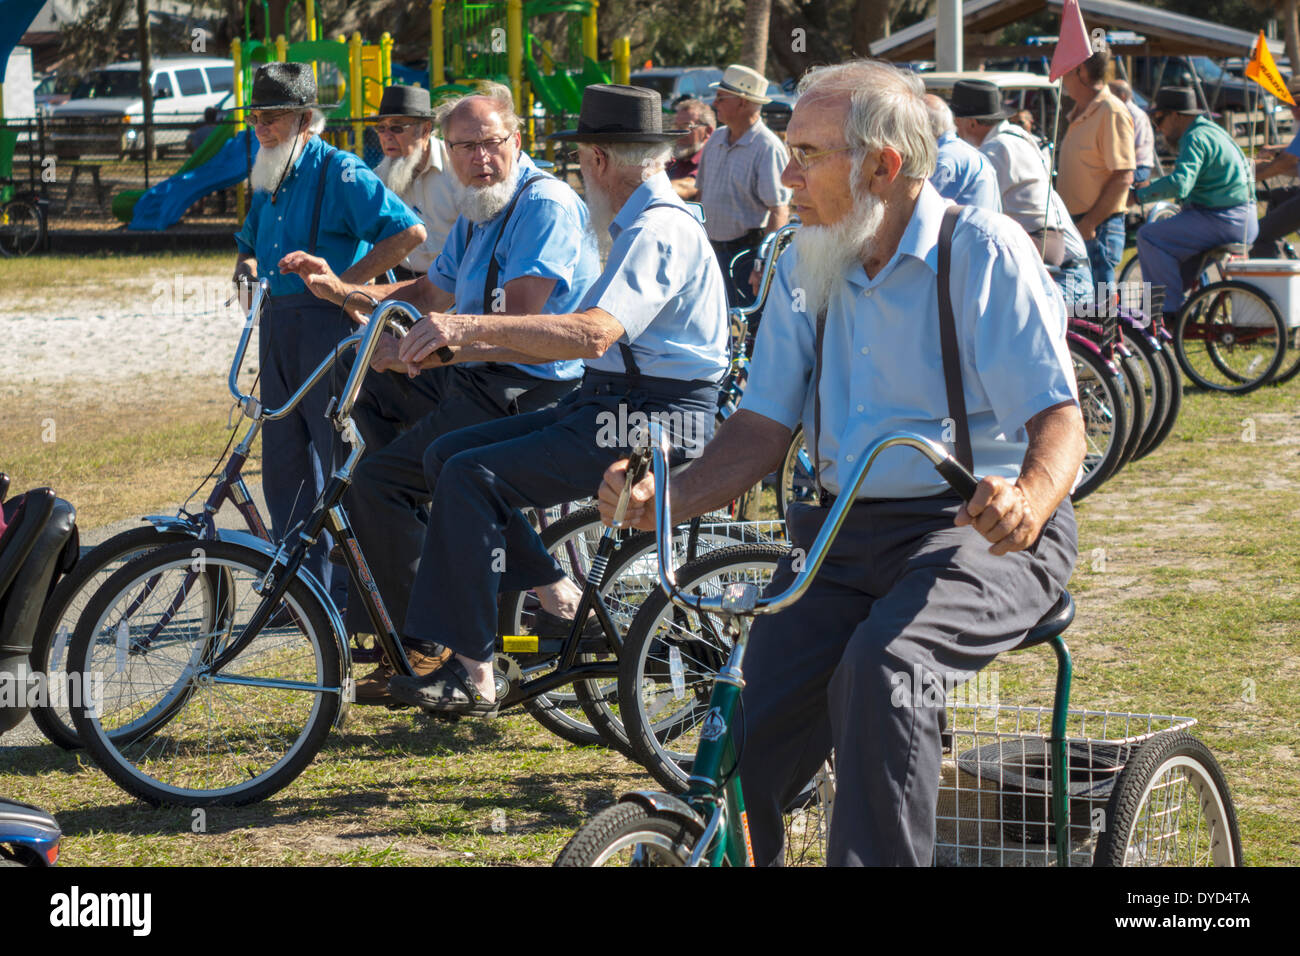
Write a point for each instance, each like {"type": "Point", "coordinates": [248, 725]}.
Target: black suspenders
{"type": "Point", "coordinates": [951, 360]}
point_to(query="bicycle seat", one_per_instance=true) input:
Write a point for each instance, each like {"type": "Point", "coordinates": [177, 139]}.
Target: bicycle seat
{"type": "Point", "coordinates": [1220, 253]}
{"type": "Point", "coordinates": [1054, 622]}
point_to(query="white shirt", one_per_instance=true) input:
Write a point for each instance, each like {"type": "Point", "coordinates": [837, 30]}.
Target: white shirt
{"type": "Point", "coordinates": [1144, 137]}
{"type": "Point", "coordinates": [432, 196]}
{"type": "Point", "coordinates": [1023, 179]}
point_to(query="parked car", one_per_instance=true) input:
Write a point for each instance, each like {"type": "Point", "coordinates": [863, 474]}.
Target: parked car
{"type": "Point", "coordinates": [106, 111]}
{"type": "Point", "coordinates": [671, 82]}
{"type": "Point", "coordinates": [53, 89]}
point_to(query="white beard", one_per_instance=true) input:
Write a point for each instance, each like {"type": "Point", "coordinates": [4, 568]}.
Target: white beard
{"type": "Point", "coordinates": [825, 253]}
{"type": "Point", "coordinates": [684, 152]}
{"type": "Point", "coordinates": [600, 213]}
{"type": "Point", "coordinates": [397, 173]}
{"type": "Point", "coordinates": [273, 162]}
{"type": "Point", "coordinates": [481, 203]}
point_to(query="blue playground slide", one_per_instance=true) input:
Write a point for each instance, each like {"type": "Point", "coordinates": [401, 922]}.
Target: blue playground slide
{"type": "Point", "coordinates": [165, 203]}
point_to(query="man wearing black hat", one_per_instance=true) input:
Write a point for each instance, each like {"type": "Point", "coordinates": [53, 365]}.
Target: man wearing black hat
{"type": "Point", "coordinates": [653, 334]}
{"type": "Point", "coordinates": [307, 196]}
{"type": "Point", "coordinates": [1209, 179]}
{"type": "Point", "coordinates": [415, 166]}
{"type": "Point", "coordinates": [1024, 183]}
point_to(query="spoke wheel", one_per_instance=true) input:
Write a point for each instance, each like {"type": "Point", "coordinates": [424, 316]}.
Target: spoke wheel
{"type": "Point", "coordinates": [1170, 807]}
{"type": "Point", "coordinates": [797, 482]}
{"type": "Point", "coordinates": [1230, 338]}
{"type": "Point", "coordinates": [1105, 418]}
{"type": "Point", "coordinates": [20, 228]}
{"type": "Point", "coordinates": [166, 725]}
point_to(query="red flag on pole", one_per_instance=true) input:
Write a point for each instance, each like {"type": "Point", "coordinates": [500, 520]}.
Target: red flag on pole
{"type": "Point", "coordinates": [1072, 48]}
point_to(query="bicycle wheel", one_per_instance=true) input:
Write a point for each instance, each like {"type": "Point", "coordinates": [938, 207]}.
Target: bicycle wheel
{"type": "Point", "coordinates": [1230, 338]}
{"type": "Point", "coordinates": [62, 611]}
{"type": "Point", "coordinates": [1170, 807]}
{"type": "Point", "coordinates": [808, 819]}
{"type": "Point", "coordinates": [1291, 362]}
{"type": "Point", "coordinates": [1154, 377]}
{"type": "Point", "coordinates": [671, 657]}
{"type": "Point", "coordinates": [796, 476]}
{"type": "Point", "coordinates": [1130, 285]}
{"type": "Point", "coordinates": [1135, 404]}
{"type": "Point", "coordinates": [1175, 374]}
{"type": "Point", "coordinates": [165, 726]}
{"type": "Point", "coordinates": [1105, 419]}
{"type": "Point", "coordinates": [20, 228]}
{"type": "Point", "coordinates": [630, 834]}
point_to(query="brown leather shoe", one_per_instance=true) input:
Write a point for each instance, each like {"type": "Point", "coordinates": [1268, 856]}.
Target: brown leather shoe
{"type": "Point", "coordinates": [373, 688]}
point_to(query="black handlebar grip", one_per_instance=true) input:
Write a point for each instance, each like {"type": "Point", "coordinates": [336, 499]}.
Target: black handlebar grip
{"type": "Point", "coordinates": [961, 480]}
{"type": "Point", "coordinates": [637, 466]}
{"type": "Point", "coordinates": [445, 354]}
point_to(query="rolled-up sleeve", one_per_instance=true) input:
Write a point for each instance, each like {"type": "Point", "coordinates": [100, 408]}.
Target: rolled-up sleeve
{"type": "Point", "coordinates": [1013, 320]}
{"type": "Point", "coordinates": [784, 353]}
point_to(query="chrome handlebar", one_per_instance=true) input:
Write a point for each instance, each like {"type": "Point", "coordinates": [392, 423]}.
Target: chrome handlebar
{"type": "Point", "coordinates": [768, 251]}
{"type": "Point", "coordinates": [399, 316]}
{"type": "Point", "coordinates": [744, 598]}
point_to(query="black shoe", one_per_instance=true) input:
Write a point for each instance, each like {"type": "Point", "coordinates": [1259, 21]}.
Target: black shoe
{"type": "Point", "coordinates": [546, 624]}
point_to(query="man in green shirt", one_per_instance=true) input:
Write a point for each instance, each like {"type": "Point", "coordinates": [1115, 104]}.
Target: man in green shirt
{"type": "Point", "coordinates": [1210, 180]}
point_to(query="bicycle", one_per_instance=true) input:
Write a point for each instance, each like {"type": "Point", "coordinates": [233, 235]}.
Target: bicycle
{"type": "Point", "coordinates": [23, 227]}
{"type": "Point", "coordinates": [1153, 777]}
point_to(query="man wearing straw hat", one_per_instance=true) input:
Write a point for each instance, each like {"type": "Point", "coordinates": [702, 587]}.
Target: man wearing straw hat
{"type": "Point", "coordinates": [739, 176]}
{"type": "Point", "coordinates": [1209, 179]}
{"type": "Point", "coordinates": [415, 166]}
{"type": "Point", "coordinates": [653, 334]}
{"type": "Point", "coordinates": [307, 196]}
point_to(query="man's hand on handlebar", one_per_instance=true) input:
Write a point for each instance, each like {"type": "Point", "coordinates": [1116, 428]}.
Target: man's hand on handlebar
{"type": "Point", "coordinates": [435, 331]}
{"type": "Point", "coordinates": [641, 504]}
{"type": "Point", "coordinates": [385, 358]}
{"type": "Point", "coordinates": [1001, 512]}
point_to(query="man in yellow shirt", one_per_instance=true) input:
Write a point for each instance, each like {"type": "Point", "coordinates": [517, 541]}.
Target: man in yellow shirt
{"type": "Point", "coordinates": [1097, 163]}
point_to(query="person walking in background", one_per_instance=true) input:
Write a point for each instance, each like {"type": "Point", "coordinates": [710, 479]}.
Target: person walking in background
{"type": "Point", "coordinates": [739, 177]}
{"type": "Point", "coordinates": [1097, 164]}
{"type": "Point", "coordinates": [1144, 136]}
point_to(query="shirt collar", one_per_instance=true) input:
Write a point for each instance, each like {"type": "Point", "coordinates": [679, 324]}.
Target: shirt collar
{"type": "Point", "coordinates": [920, 238]}
{"type": "Point", "coordinates": [437, 154]}
{"type": "Point", "coordinates": [654, 189]}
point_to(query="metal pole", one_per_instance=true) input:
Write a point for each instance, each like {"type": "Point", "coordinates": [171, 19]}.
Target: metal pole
{"type": "Point", "coordinates": [948, 36]}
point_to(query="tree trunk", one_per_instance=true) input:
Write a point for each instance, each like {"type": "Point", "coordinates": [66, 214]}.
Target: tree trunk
{"type": "Point", "coordinates": [754, 47]}
{"type": "Point", "coordinates": [1291, 30]}
{"type": "Point", "coordinates": [870, 22]}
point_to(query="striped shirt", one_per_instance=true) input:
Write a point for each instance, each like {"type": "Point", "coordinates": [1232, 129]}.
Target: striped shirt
{"type": "Point", "coordinates": [740, 181]}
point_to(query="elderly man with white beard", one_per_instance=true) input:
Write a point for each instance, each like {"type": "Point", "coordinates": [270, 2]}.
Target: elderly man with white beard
{"type": "Point", "coordinates": [307, 196]}
{"type": "Point", "coordinates": [519, 247]}
{"type": "Point", "coordinates": [415, 167]}
{"type": "Point", "coordinates": [653, 334]}
{"type": "Point", "coordinates": [918, 591]}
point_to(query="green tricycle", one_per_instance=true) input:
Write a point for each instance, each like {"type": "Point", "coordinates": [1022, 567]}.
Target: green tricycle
{"type": "Point", "coordinates": [1129, 789]}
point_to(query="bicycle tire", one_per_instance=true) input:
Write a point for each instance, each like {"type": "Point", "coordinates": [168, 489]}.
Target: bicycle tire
{"type": "Point", "coordinates": [21, 224]}
{"type": "Point", "coordinates": [630, 834]}
{"type": "Point", "coordinates": [662, 732]}
{"type": "Point", "coordinates": [1104, 419]}
{"type": "Point", "coordinates": [1223, 315]}
{"type": "Point", "coordinates": [172, 735]}
{"type": "Point", "coordinates": [1171, 777]}
{"type": "Point", "coordinates": [795, 480]}
{"type": "Point", "coordinates": [1175, 373]}
{"type": "Point", "coordinates": [1291, 362]}
{"type": "Point", "coordinates": [1135, 404]}
{"type": "Point", "coordinates": [1156, 382]}
{"type": "Point", "coordinates": [61, 612]}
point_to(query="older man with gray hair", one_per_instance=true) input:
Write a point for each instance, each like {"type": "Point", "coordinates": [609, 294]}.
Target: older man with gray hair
{"type": "Point", "coordinates": [919, 590]}
{"type": "Point", "coordinates": [960, 172]}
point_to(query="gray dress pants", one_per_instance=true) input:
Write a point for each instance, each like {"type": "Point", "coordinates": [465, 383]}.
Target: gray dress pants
{"type": "Point", "coordinates": [905, 602]}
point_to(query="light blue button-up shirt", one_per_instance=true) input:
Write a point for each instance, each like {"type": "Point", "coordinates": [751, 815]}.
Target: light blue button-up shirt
{"type": "Point", "coordinates": [964, 175]}
{"type": "Point", "coordinates": [546, 236]}
{"type": "Point", "coordinates": [663, 284]}
{"type": "Point", "coordinates": [884, 365]}
{"type": "Point", "coordinates": [357, 211]}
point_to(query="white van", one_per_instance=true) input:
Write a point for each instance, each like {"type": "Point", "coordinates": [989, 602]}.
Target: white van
{"type": "Point", "coordinates": [106, 110]}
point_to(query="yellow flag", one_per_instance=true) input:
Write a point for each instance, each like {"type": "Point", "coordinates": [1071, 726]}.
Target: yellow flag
{"type": "Point", "coordinates": [1263, 71]}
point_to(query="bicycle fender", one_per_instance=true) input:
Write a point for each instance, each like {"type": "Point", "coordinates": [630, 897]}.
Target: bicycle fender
{"type": "Point", "coordinates": [254, 543]}
{"type": "Point", "coordinates": [172, 523]}
{"type": "Point", "coordinates": [668, 804]}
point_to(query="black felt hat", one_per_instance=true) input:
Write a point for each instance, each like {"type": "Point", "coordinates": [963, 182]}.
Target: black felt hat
{"type": "Point", "coordinates": [403, 101]}
{"type": "Point", "coordinates": [977, 99]}
{"type": "Point", "coordinates": [283, 86]}
{"type": "Point", "coordinates": [619, 114]}
{"type": "Point", "coordinates": [1176, 99]}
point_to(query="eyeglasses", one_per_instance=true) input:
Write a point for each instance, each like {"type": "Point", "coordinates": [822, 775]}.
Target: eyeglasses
{"type": "Point", "coordinates": [471, 147]}
{"type": "Point", "coordinates": [803, 158]}
{"type": "Point", "coordinates": [397, 129]}
{"type": "Point", "coordinates": [268, 119]}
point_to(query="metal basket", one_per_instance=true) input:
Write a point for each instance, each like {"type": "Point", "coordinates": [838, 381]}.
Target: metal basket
{"type": "Point", "coordinates": [995, 784]}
